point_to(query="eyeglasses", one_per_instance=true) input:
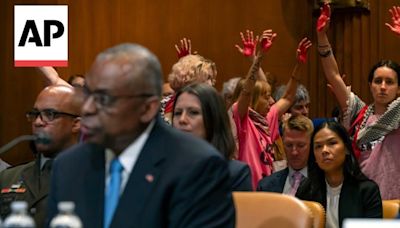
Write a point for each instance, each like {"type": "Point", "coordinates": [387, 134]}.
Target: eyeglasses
{"type": "Point", "coordinates": [104, 100]}
{"type": "Point", "coordinates": [47, 115]}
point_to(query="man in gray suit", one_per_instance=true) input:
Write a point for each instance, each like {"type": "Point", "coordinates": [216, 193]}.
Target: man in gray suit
{"type": "Point", "coordinates": [296, 138]}
{"type": "Point", "coordinates": [56, 116]}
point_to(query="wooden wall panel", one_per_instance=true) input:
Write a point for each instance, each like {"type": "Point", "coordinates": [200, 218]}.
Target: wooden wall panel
{"type": "Point", "coordinates": [359, 40]}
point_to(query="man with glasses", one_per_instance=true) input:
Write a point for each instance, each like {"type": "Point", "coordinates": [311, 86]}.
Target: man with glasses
{"type": "Point", "coordinates": [134, 170]}
{"type": "Point", "coordinates": [296, 138]}
{"type": "Point", "coordinates": [55, 115]}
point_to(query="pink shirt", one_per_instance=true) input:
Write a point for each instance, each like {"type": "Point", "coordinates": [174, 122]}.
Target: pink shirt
{"type": "Point", "coordinates": [255, 146]}
{"type": "Point", "coordinates": [382, 163]}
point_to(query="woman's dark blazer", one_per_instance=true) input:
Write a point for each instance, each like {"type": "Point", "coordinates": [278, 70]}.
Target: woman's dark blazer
{"type": "Point", "coordinates": [358, 198]}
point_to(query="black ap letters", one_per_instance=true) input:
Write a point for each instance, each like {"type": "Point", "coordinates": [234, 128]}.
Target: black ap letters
{"type": "Point", "coordinates": [31, 26]}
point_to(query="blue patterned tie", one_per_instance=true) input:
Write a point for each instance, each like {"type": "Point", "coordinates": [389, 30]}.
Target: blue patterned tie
{"type": "Point", "coordinates": [112, 195]}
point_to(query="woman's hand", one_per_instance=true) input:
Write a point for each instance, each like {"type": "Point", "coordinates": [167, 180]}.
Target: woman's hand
{"type": "Point", "coordinates": [266, 39]}
{"type": "Point", "coordinates": [302, 50]}
{"type": "Point", "coordinates": [395, 26]}
{"type": "Point", "coordinates": [249, 44]}
{"type": "Point", "coordinates": [185, 48]}
{"type": "Point", "coordinates": [324, 18]}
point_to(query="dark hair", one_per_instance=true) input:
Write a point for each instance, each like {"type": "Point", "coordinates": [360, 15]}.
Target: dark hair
{"type": "Point", "coordinates": [314, 186]}
{"type": "Point", "coordinates": [351, 167]}
{"type": "Point", "coordinates": [387, 63]}
{"type": "Point", "coordinates": [215, 117]}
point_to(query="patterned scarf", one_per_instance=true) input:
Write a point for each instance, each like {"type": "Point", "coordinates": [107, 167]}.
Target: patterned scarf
{"type": "Point", "coordinates": [376, 132]}
{"type": "Point", "coordinates": [259, 121]}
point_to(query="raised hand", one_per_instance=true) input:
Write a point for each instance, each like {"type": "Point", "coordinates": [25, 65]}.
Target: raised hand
{"type": "Point", "coordinates": [302, 50]}
{"type": "Point", "coordinates": [395, 26]}
{"type": "Point", "coordinates": [185, 48]}
{"type": "Point", "coordinates": [324, 18]}
{"type": "Point", "coordinates": [266, 39]}
{"type": "Point", "coordinates": [249, 44]}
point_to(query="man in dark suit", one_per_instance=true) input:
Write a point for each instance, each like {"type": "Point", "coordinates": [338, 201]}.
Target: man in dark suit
{"type": "Point", "coordinates": [56, 116]}
{"type": "Point", "coordinates": [165, 178]}
{"type": "Point", "coordinates": [297, 132]}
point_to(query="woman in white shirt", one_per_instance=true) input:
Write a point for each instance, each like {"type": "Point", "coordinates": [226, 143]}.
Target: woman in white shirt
{"type": "Point", "coordinates": [335, 179]}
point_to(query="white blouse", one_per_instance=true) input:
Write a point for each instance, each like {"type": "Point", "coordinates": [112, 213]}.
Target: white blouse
{"type": "Point", "coordinates": [332, 205]}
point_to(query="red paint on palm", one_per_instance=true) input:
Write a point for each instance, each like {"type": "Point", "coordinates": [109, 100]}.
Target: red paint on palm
{"type": "Point", "coordinates": [302, 57]}
{"type": "Point", "coordinates": [182, 53]}
{"type": "Point", "coordinates": [323, 18]}
{"type": "Point", "coordinates": [248, 48]}
{"type": "Point", "coordinates": [266, 44]}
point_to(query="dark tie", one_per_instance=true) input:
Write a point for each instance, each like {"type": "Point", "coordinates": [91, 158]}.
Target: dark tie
{"type": "Point", "coordinates": [113, 191]}
{"type": "Point", "coordinates": [45, 175]}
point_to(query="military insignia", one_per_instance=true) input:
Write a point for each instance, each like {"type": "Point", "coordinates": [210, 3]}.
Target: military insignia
{"type": "Point", "coordinates": [16, 185]}
{"type": "Point", "coordinates": [5, 190]}
{"type": "Point", "coordinates": [15, 188]}
{"type": "Point", "coordinates": [20, 190]}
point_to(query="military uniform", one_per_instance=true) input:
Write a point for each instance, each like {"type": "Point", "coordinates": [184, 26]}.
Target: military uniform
{"type": "Point", "coordinates": [28, 183]}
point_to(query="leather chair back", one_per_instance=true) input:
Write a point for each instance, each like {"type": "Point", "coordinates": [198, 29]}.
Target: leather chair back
{"type": "Point", "coordinates": [266, 210]}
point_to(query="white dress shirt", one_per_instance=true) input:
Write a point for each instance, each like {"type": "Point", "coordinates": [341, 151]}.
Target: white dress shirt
{"type": "Point", "coordinates": [288, 183]}
{"type": "Point", "coordinates": [128, 158]}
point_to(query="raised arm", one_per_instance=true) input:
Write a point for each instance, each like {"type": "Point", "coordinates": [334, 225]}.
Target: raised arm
{"type": "Point", "coordinates": [328, 60]}
{"type": "Point", "coordinates": [286, 101]}
{"type": "Point", "coordinates": [395, 26]}
{"type": "Point", "coordinates": [51, 76]}
{"type": "Point", "coordinates": [249, 50]}
{"type": "Point", "coordinates": [244, 99]}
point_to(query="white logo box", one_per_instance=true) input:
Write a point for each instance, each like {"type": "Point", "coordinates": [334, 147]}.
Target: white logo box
{"type": "Point", "coordinates": [38, 49]}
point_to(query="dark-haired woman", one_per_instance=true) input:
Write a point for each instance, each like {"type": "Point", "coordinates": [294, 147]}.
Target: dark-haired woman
{"type": "Point", "coordinates": [335, 179]}
{"type": "Point", "coordinates": [200, 110]}
{"type": "Point", "coordinates": [374, 128]}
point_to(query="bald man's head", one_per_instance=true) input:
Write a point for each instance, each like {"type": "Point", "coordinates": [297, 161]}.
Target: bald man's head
{"type": "Point", "coordinates": [136, 64]}
{"type": "Point", "coordinates": [59, 107]}
{"type": "Point", "coordinates": [123, 89]}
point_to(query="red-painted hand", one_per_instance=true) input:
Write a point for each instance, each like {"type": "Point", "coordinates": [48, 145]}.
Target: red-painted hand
{"type": "Point", "coordinates": [395, 26]}
{"type": "Point", "coordinates": [185, 49]}
{"type": "Point", "coordinates": [324, 17]}
{"type": "Point", "coordinates": [266, 39]}
{"type": "Point", "coordinates": [302, 50]}
{"type": "Point", "coordinates": [249, 44]}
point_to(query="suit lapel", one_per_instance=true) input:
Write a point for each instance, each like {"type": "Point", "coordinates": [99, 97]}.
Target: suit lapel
{"type": "Point", "coordinates": [282, 180]}
{"type": "Point", "coordinates": [142, 180]}
{"type": "Point", "coordinates": [95, 184]}
{"type": "Point", "coordinates": [30, 177]}
{"type": "Point", "coordinates": [347, 206]}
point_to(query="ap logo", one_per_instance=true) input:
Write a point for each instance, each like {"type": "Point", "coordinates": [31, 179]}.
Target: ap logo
{"type": "Point", "coordinates": [40, 35]}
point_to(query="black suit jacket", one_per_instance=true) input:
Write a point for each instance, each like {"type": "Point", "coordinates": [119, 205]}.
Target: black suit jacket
{"type": "Point", "coordinates": [274, 183]}
{"type": "Point", "coordinates": [240, 176]}
{"type": "Point", "coordinates": [21, 183]}
{"type": "Point", "coordinates": [358, 199]}
{"type": "Point", "coordinates": [190, 184]}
